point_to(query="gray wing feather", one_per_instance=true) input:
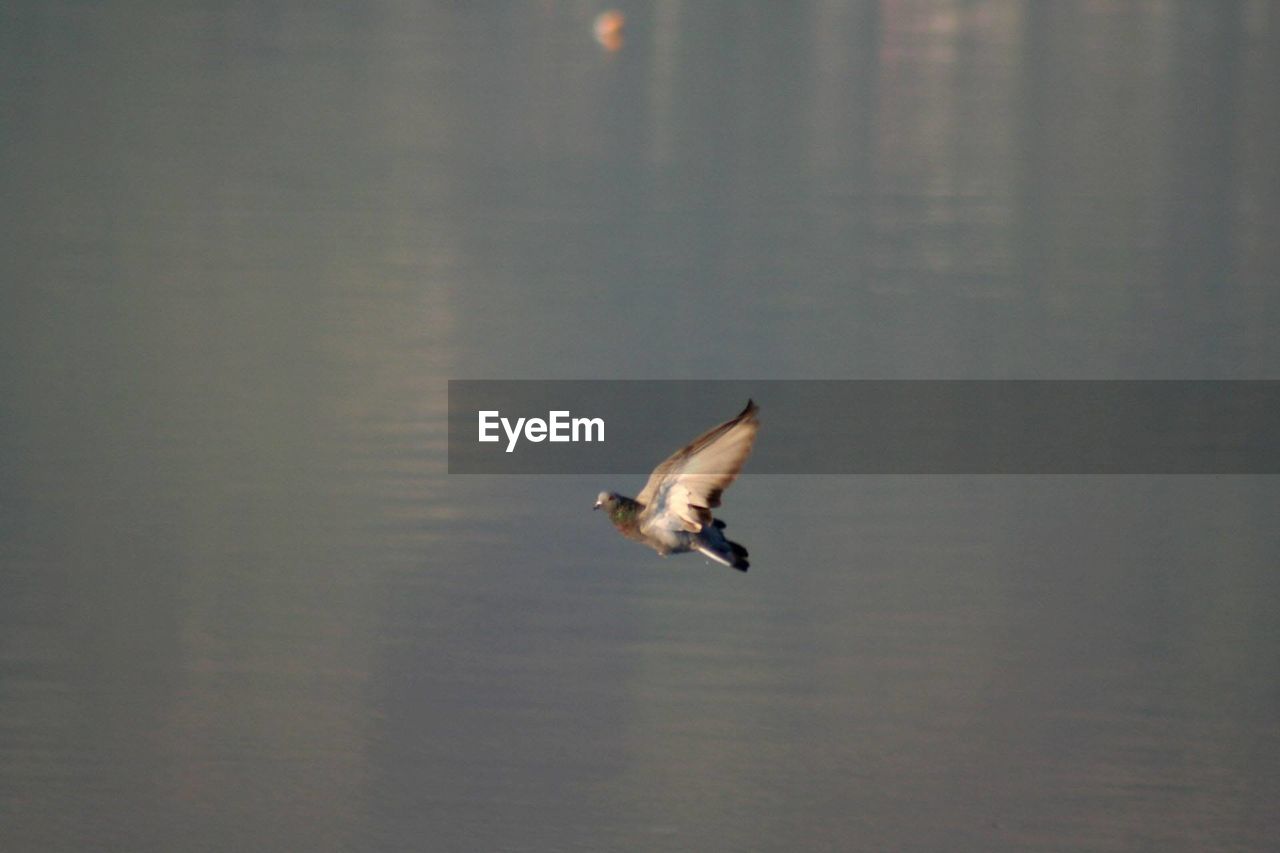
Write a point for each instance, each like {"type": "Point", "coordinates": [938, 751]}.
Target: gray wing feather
{"type": "Point", "coordinates": [682, 491]}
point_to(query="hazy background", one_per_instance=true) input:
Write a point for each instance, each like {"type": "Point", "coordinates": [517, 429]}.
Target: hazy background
{"type": "Point", "coordinates": [242, 606]}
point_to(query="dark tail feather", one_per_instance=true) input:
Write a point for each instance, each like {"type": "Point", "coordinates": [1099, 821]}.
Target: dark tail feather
{"type": "Point", "coordinates": [739, 557]}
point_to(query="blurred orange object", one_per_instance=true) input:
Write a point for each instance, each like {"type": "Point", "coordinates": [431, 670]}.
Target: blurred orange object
{"type": "Point", "coordinates": [608, 29]}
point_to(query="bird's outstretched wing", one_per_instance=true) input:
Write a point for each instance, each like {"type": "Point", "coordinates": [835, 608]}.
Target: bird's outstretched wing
{"type": "Point", "coordinates": [682, 491]}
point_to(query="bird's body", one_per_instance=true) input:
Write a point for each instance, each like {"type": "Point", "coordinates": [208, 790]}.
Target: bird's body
{"type": "Point", "coordinates": [672, 514]}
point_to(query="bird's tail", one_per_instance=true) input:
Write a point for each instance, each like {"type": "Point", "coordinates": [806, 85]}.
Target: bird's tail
{"type": "Point", "coordinates": [723, 551]}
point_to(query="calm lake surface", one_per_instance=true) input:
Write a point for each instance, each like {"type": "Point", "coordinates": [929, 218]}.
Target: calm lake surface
{"type": "Point", "coordinates": [243, 606]}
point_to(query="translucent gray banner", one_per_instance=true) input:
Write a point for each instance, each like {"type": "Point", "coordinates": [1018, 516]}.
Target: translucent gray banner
{"type": "Point", "coordinates": [872, 427]}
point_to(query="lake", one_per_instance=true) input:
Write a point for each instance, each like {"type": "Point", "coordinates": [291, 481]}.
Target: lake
{"type": "Point", "coordinates": [244, 606]}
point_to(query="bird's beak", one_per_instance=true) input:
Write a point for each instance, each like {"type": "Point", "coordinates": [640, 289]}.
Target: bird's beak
{"type": "Point", "coordinates": [597, 506]}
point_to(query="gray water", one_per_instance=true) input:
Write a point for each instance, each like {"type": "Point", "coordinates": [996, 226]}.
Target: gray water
{"type": "Point", "coordinates": [243, 607]}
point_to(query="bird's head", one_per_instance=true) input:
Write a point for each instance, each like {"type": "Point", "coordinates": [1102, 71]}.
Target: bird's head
{"type": "Point", "coordinates": [606, 501]}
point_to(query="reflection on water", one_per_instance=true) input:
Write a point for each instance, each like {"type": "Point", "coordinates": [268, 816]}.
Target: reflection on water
{"type": "Point", "coordinates": [242, 605]}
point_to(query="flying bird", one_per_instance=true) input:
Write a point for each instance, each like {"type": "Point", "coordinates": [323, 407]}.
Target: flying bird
{"type": "Point", "coordinates": [672, 513]}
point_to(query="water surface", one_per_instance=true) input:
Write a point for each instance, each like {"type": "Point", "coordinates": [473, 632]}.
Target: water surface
{"type": "Point", "coordinates": [242, 606]}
